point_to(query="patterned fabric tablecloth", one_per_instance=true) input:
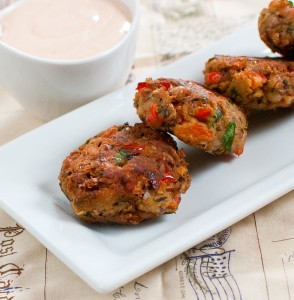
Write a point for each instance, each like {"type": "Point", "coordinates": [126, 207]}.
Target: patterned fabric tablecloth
{"type": "Point", "coordinates": [253, 259]}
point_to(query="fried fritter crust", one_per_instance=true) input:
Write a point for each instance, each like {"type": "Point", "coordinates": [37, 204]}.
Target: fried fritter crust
{"type": "Point", "coordinates": [276, 27]}
{"type": "Point", "coordinates": [124, 175]}
{"type": "Point", "coordinates": [195, 115]}
{"type": "Point", "coordinates": [253, 83]}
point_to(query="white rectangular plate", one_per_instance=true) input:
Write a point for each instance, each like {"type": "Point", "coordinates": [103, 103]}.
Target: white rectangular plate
{"type": "Point", "coordinates": [223, 189]}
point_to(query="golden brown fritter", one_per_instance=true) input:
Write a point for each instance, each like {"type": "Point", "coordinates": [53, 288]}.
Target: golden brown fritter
{"type": "Point", "coordinates": [124, 175]}
{"type": "Point", "coordinates": [276, 27]}
{"type": "Point", "coordinates": [253, 83]}
{"type": "Point", "coordinates": [195, 115]}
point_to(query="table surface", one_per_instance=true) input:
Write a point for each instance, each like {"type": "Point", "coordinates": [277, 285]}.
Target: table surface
{"type": "Point", "coordinates": [260, 247]}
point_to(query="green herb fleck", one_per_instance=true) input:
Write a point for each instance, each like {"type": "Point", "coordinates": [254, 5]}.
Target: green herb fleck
{"type": "Point", "coordinates": [285, 83]}
{"type": "Point", "coordinates": [184, 83]}
{"type": "Point", "coordinates": [120, 157]}
{"type": "Point", "coordinates": [160, 199]}
{"type": "Point", "coordinates": [164, 112]}
{"type": "Point", "coordinates": [119, 202]}
{"type": "Point", "coordinates": [234, 92]}
{"type": "Point", "coordinates": [217, 116]}
{"type": "Point", "coordinates": [89, 214]}
{"type": "Point", "coordinates": [229, 136]}
{"type": "Point", "coordinates": [201, 98]}
{"type": "Point", "coordinates": [120, 128]}
{"type": "Point", "coordinates": [291, 3]}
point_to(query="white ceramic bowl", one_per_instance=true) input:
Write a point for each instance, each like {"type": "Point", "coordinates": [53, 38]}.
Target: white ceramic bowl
{"type": "Point", "coordinates": [50, 88]}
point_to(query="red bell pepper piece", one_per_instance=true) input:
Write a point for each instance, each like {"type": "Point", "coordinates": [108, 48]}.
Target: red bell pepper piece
{"type": "Point", "coordinates": [213, 77]}
{"type": "Point", "coordinates": [141, 85]}
{"type": "Point", "coordinates": [202, 113]}
{"type": "Point", "coordinates": [152, 117]}
{"type": "Point", "coordinates": [133, 147]}
{"type": "Point", "coordinates": [168, 178]}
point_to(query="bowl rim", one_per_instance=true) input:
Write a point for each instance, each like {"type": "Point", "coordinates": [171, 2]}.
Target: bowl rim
{"type": "Point", "coordinates": [135, 12]}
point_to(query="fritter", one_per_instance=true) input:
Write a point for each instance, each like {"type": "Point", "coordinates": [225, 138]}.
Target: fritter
{"type": "Point", "coordinates": [276, 27]}
{"type": "Point", "coordinates": [195, 115]}
{"type": "Point", "coordinates": [124, 175]}
{"type": "Point", "coordinates": [253, 83]}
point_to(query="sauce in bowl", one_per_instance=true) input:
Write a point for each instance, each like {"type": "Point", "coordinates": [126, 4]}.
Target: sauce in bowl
{"type": "Point", "coordinates": [64, 29]}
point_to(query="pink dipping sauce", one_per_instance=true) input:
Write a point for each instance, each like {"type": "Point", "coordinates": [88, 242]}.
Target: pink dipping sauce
{"type": "Point", "coordinates": [64, 29]}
